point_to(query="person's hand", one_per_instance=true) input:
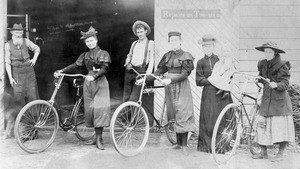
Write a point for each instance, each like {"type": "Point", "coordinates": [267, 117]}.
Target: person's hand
{"type": "Point", "coordinates": [12, 81]}
{"type": "Point", "coordinates": [166, 82]}
{"type": "Point", "coordinates": [89, 78]}
{"type": "Point", "coordinates": [128, 67]}
{"type": "Point", "coordinates": [57, 73]}
{"type": "Point", "coordinates": [273, 85]}
{"type": "Point", "coordinates": [139, 81]}
{"type": "Point", "coordinates": [32, 62]}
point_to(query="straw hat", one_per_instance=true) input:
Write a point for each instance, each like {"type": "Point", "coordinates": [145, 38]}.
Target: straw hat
{"type": "Point", "coordinates": [141, 23]}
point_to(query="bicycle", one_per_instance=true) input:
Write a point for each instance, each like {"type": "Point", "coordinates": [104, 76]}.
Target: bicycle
{"type": "Point", "coordinates": [37, 123]}
{"type": "Point", "coordinates": [129, 127]}
{"type": "Point", "coordinates": [235, 125]}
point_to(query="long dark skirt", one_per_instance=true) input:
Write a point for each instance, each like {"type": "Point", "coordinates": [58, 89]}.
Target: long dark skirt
{"type": "Point", "coordinates": [211, 107]}
{"type": "Point", "coordinates": [97, 103]}
{"type": "Point", "coordinates": [179, 103]}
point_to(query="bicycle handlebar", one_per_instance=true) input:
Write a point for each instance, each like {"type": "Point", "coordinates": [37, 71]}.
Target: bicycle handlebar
{"type": "Point", "coordinates": [70, 75]}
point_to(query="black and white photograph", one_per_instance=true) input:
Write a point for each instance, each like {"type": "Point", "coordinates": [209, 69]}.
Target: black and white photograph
{"type": "Point", "coordinates": [150, 84]}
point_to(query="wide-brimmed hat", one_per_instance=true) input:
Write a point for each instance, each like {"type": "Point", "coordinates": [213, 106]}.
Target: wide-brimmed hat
{"type": "Point", "coordinates": [89, 33]}
{"type": "Point", "coordinates": [271, 45]}
{"type": "Point", "coordinates": [136, 23]}
{"type": "Point", "coordinates": [207, 39]}
{"type": "Point", "coordinates": [16, 27]}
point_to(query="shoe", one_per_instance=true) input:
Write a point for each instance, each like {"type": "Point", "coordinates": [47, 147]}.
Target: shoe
{"type": "Point", "coordinates": [99, 143]}
{"type": "Point", "coordinates": [277, 158]}
{"type": "Point", "coordinates": [90, 142]}
{"type": "Point", "coordinates": [177, 147]}
{"type": "Point", "coordinates": [259, 156]}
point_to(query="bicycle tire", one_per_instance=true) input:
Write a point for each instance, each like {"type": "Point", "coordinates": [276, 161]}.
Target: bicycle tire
{"type": "Point", "coordinates": [35, 131]}
{"type": "Point", "coordinates": [82, 132]}
{"type": "Point", "coordinates": [253, 146]}
{"type": "Point", "coordinates": [169, 127]}
{"type": "Point", "coordinates": [226, 134]}
{"type": "Point", "coordinates": [129, 129]}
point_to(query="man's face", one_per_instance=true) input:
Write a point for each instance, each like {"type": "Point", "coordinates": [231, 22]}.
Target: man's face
{"type": "Point", "coordinates": [17, 34]}
{"type": "Point", "coordinates": [269, 53]}
{"type": "Point", "coordinates": [175, 42]}
{"type": "Point", "coordinates": [208, 49]}
{"type": "Point", "coordinates": [91, 42]}
{"type": "Point", "coordinates": [141, 33]}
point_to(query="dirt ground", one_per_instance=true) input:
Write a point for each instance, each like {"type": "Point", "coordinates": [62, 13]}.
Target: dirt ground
{"type": "Point", "coordinates": [67, 152]}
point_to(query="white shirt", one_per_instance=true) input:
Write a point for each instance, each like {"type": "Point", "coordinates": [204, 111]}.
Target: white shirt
{"type": "Point", "coordinates": [138, 52]}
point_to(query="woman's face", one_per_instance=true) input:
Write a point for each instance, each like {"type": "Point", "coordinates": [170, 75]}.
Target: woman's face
{"type": "Point", "coordinates": [269, 53]}
{"type": "Point", "coordinates": [208, 49]}
{"type": "Point", "coordinates": [91, 42]}
{"type": "Point", "coordinates": [175, 42]}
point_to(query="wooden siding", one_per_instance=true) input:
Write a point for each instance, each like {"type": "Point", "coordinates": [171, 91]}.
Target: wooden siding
{"type": "Point", "coordinates": [273, 20]}
{"type": "Point", "coordinates": [3, 27]}
{"type": "Point", "coordinates": [225, 29]}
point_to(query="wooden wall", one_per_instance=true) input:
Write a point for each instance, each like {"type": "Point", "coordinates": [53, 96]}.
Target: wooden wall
{"type": "Point", "coordinates": [273, 20]}
{"type": "Point", "coordinates": [3, 12]}
{"type": "Point", "coordinates": [245, 24]}
{"type": "Point", "coordinates": [225, 27]}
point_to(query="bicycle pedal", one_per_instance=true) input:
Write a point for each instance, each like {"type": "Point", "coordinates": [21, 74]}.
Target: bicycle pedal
{"type": "Point", "coordinates": [72, 130]}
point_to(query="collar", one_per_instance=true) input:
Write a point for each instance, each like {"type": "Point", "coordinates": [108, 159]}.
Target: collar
{"type": "Point", "coordinates": [177, 51]}
{"type": "Point", "coordinates": [95, 49]}
{"type": "Point", "coordinates": [211, 56]}
{"type": "Point", "coordinates": [142, 41]}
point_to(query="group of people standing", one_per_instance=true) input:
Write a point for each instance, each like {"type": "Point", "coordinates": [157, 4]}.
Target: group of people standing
{"type": "Point", "coordinates": [213, 73]}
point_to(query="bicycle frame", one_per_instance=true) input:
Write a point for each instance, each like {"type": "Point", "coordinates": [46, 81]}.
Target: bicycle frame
{"type": "Point", "coordinates": [243, 94]}
{"type": "Point", "coordinates": [142, 92]}
{"type": "Point", "coordinates": [44, 115]}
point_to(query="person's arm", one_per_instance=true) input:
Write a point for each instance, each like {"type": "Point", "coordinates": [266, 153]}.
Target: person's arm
{"type": "Point", "coordinates": [283, 77]}
{"type": "Point", "coordinates": [151, 58]}
{"type": "Point", "coordinates": [201, 80]}
{"type": "Point", "coordinates": [104, 61]}
{"type": "Point", "coordinates": [187, 67]}
{"type": "Point", "coordinates": [8, 64]}
{"type": "Point", "coordinates": [129, 56]}
{"type": "Point", "coordinates": [36, 50]}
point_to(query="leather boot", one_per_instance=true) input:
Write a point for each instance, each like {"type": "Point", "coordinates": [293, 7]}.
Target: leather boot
{"type": "Point", "coordinates": [262, 155]}
{"type": "Point", "coordinates": [279, 156]}
{"type": "Point", "coordinates": [99, 140]}
{"type": "Point", "coordinates": [178, 144]}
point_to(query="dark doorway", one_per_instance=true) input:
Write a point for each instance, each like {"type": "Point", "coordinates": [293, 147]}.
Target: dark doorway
{"type": "Point", "coordinates": [55, 26]}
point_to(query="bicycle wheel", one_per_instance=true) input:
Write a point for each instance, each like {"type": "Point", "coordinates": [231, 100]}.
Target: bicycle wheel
{"type": "Point", "coordinates": [129, 129]}
{"type": "Point", "coordinates": [169, 127]}
{"type": "Point", "coordinates": [251, 133]}
{"type": "Point", "coordinates": [226, 134]}
{"type": "Point", "coordinates": [36, 126]}
{"type": "Point", "coordinates": [82, 132]}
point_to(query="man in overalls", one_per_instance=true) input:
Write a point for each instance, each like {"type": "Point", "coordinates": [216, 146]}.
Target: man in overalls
{"type": "Point", "coordinates": [140, 58]}
{"type": "Point", "coordinates": [19, 68]}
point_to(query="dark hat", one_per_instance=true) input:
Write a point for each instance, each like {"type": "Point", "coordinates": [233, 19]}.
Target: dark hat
{"type": "Point", "coordinates": [89, 33]}
{"type": "Point", "coordinates": [174, 34]}
{"type": "Point", "coordinates": [271, 45]}
{"type": "Point", "coordinates": [207, 39]}
{"type": "Point", "coordinates": [136, 23]}
{"type": "Point", "coordinates": [16, 27]}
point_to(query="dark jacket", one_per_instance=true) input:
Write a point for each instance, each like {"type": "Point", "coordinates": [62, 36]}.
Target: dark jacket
{"type": "Point", "coordinates": [275, 102]}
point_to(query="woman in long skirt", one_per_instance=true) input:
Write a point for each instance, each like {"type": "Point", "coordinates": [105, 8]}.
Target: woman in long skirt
{"type": "Point", "coordinates": [95, 90]}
